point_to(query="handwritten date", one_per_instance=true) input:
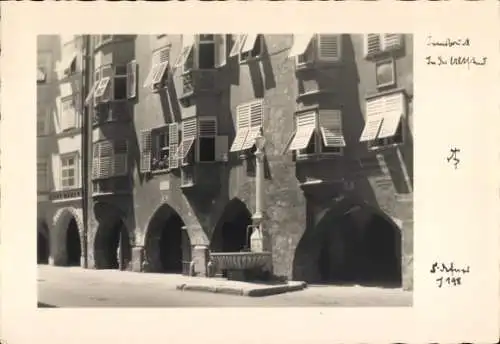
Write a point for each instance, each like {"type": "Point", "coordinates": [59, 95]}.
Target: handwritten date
{"type": "Point", "coordinates": [448, 274]}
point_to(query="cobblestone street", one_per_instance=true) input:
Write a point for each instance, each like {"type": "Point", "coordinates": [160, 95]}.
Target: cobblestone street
{"type": "Point", "coordinates": [76, 287]}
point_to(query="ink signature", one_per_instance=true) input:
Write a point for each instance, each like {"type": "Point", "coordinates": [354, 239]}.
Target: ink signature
{"type": "Point", "coordinates": [449, 274]}
{"type": "Point", "coordinates": [456, 61]}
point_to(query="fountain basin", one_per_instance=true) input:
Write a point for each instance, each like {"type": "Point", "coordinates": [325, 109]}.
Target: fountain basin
{"type": "Point", "coordinates": [240, 260]}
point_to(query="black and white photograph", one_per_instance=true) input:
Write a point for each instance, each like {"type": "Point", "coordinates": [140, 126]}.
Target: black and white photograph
{"type": "Point", "coordinates": [214, 170]}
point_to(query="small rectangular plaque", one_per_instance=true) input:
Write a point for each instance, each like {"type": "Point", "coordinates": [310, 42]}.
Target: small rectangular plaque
{"type": "Point", "coordinates": [164, 185]}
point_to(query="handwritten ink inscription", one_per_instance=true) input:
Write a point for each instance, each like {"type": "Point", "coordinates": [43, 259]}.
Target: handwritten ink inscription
{"type": "Point", "coordinates": [448, 274]}
{"type": "Point", "coordinates": [453, 156]}
{"type": "Point", "coordinates": [453, 60]}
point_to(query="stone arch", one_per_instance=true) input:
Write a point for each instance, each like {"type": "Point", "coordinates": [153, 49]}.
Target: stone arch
{"type": "Point", "coordinates": [167, 241]}
{"type": "Point", "coordinates": [350, 242]}
{"type": "Point", "coordinates": [68, 228]}
{"type": "Point", "coordinates": [112, 240]}
{"type": "Point", "coordinates": [43, 242]}
{"type": "Point", "coordinates": [231, 230]}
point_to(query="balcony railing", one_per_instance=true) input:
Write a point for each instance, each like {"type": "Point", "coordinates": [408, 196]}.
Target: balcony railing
{"type": "Point", "coordinates": [61, 195]}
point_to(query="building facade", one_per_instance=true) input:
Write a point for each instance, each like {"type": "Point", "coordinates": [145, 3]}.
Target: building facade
{"type": "Point", "coordinates": [199, 140]}
{"type": "Point", "coordinates": [59, 136]}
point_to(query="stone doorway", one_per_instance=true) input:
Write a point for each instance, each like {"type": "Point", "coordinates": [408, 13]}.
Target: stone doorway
{"type": "Point", "coordinates": [112, 247]}
{"type": "Point", "coordinates": [73, 244]}
{"type": "Point", "coordinates": [168, 246]}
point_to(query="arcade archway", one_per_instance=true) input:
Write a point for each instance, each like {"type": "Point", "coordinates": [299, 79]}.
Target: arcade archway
{"type": "Point", "coordinates": [112, 249]}
{"type": "Point", "coordinates": [359, 246]}
{"type": "Point", "coordinates": [73, 244]}
{"type": "Point", "coordinates": [167, 244]}
{"type": "Point", "coordinates": [67, 226]}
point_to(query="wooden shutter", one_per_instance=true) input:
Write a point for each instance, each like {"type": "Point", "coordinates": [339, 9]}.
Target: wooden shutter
{"type": "Point", "coordinates": [107, 72]}
{"type": "Point", "coordinates": [221, 148]}
{"type": "Point", "coordinates": [238, 44]}
{"type": "Point", "coordinates": [173, 138]}
{"type": "Point", "coordinates": [207, 127]}
{"type": "Point", "coordinates": [146, 143]}
{"type": "Point", "coordinates": [330, 47]}
{"type": "Point", "coordinates": [330, 122]}
{"type": "Point", "coordinates": [220, 50]}
{"type": "Point", "coordinates": [391, 41]}
{"type": "Point", "coordinates": [372, 44]}
{"type": "Point", "coordinates": [132, 79]}
{"type": "Point", "coordinates": [242, 127]}
{"type": "Point", "coordinates": [393, 110]}
{"type": "Point", "coordinates": [305, 127]}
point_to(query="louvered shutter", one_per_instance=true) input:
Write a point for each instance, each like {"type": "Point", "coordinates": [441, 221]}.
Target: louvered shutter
{"type": "Point", "coordinates": [220, 50]}
{"type": "Point", "coordinates": [173, 137]}
{"type": "Point", "coordinates": [120, 149]}
{"type": "Point", "coordinates": [221, 148]}
{"type": "Point", "coordinates": [305, 127]}
{"type": "Point", "coordinates": [207, 127]}
{"type": "Point", "coordinates": [393, 111]}
{"type": "Point", "coordinates": [238, 44]}
{"type": "Point", "coordinates": [374, 116]}
{"type": "Point", "coordinates": [256, 119]}
{"type": "Point", "coordinates": [330, 122]}
{"type": "Point", "coordinates": [243, 126]}
{"type": "Point", "coordinates": [372, 44]}
{"type": "Point", "coordinates": [132, 79]}
{"type": "Point", "coordinates": [330, 47]}
{"type": "Point", "coordinates": [249, 44]}
{"type": "Point", "coordinates": [107, 83]}
{"type": "Point", "coordinates": [187, 46]}
{"type": "Point", "coordinates": [146, 143]}
{"type": "Point", "coordinates": [391, 41]}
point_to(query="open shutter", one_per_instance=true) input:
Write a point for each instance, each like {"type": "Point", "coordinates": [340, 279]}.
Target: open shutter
{"type": "Point", "coordinates": [187, 46]}
{"type": "Point", "coordinates": [256, 118]}
{"type": "Point", "coordinates": [132, 79]}
{"type": "Point", "coordinates": [330, 47]}
{"type": "Point", "coordinates": [238, 44]}
{"type": "Point", "coordinates": [220, 50]}
{"type": "Point", "coordinates": [173, 137]}
{"type": "Point", "coordinates": [393, 109]}
{"type": "Point", "coordinates": [330, 122]}
{"type": "Point", "coordinates": [300, 44]}
{"type": "Point", "coordinates": [305, 127]}
{"type": "Point", "coordinates": [221, 148]}
{"type": "Point", "coordinates": [243, 127]}
{"type": "Point", "coordinates": [146, 151]}
{"type": "Point", "coordinates": [391, 41]}
{"type": "Point", "coordinates": [249, 44]}
{"type": "Point", "coordinates": [372, 44]}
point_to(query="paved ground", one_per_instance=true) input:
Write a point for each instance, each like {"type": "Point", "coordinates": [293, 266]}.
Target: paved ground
{"type": "Point", "coordinates": [76, 287]}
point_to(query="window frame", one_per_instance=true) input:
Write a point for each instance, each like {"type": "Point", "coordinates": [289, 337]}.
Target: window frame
{"type": "Point", "coordinates": [243, 58]}
{"type": "Point", "coordinates": [314, 52]}
{"type": "Point", "coordinates": [44, 64]}
{"type": "Point", "coordinates": [199, 43]}
{"type": "Point", "coordinates": [75, 166]}
{"type": "Point", "coordinates": [392, 64]}
{"type": "Point", "coordinates": [200, 136]}
{"type": "Point", "coordinates": [43, 116]}
{"type": "Point", "coordinates": [156, 150]}
{"type": "Point", "coordinates": [46, 170]}
{"type": "Point", "coordinates": [64, 115]}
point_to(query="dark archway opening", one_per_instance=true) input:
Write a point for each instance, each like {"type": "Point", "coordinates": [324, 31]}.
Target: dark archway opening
{"type": "Point", "coordinates": [174, 245]}
{"type": "Point", "coordinates": [356, 248]}
{"type": "Point", "coordinates": [73, 246]}
{"type": "Point", "coordinates": [112, 247]}
{"type": "Point", "coordinates": [232, 233]}
{"type": "Point", "coordinates": [42, 249]}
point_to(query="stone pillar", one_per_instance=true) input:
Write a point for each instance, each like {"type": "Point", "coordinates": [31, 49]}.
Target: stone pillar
{"type": "Point", "coordinates": [137, 259]}
{"type": "Point", "coordinates": [257, 238]}
{"type": "Point", "coordinates": [200, 258]}
{"type": "Point", "coordinates": [407, 255]}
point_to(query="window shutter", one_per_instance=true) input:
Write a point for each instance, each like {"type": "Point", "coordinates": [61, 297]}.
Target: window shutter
{"type": "Point", "coordinates": [132, 79]}
{"type": "Point", "coordinates": [173, 137]}
{"type": "Point", "coordinates": [238, 44]}
{"type": "Point", "coordinates": [330, 47]}
{"type": "Point", "coordinates": [256, 113]}
{"type": "Point", "coordinates": [145, 151]}
{"type": "Point", "coordinates": [189, 128]}
{"type": "Point", "coordinates": [242, 126]}
{"type": "Point", "coordinates": [330, 122]}
{"type": "Point", "coordinates": [392, 41]}
{"type": "Point", "coordinates": [220, 50]}
{"type": "Point", "coordinates": [208, 127]}
{"type": "Point", "coordinates": [221, 148]}
{"type": "Point", "coordinates": [107, 72]}
{"type": "Point", "coordinates": [372, 44]}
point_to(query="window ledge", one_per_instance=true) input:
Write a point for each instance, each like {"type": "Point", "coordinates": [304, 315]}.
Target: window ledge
{"type": "Point", "coordinates": [251, 60]}
{"type": "Point", "coordinates": [385, 147]}
{"type": "Point", "coordinates": [111, 193]}
{"type": "Point", "coordinates": [314, 93]}
{"type": "Point", "coordinates": [69, 132]}
{"type": "Point", "coordinates": [385, 93]}
{"type": "Point", "coordinates": [317, 64]}
{"type": "Point", "coordinates": [318, 156]}
{"type": "Point", "coordinates": [163, 171]}
{"type": "Point", "coordinates": [383, 53]}
{"type": "Point", "coordinates": [188, 186]}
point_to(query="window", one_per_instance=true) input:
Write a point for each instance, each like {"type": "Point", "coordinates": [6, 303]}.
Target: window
{"type": "Point", "coordinates": [317, 132]}
{"type": "Point", "coordinates": [120, 83]}
{"type": "Point", "coordinates": [102, 39]}
{"type": "Point", "coordinates": [159, 66]}
{"type": "Point", "coordinates": [201, 142]}
{"type": "Point", "coordinates": [206, 49]}
{"type": "Point", "coordinates": [161, 149]}
{"type": "Point", "coordinates": [185, 58]}
{"type": "Point", "coordinates": [248, 46]}
{"type": "Point", "coordinates": [110, 159]}
{"type": "Point", "coordinates": [249, 118]}
{"type": "Point", "coordinates": [42, 121]}
{"type": "Point", "coordinates": [111, 83]}
{"type": "Point", "coordinates": [203, 51]}
{"type": "Point", "coordinates": [308, 48]}
{"type": "Point", "coordinates": [68, 64]}
{"type": "Point", "coordinates": [385, 73]}
{"type": "Point", "coordinates": [68, 171]}
{"type": "Point", "coordinates": [68, 118]}
{"type": "Point", "coordinates": [380, 43]}
{"type": "Point", "coordinates": [383, 125]}
{"type": "Point", "coordinates": [42, 173]}
{"type": "Point", "coordinates": [206, 141]}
